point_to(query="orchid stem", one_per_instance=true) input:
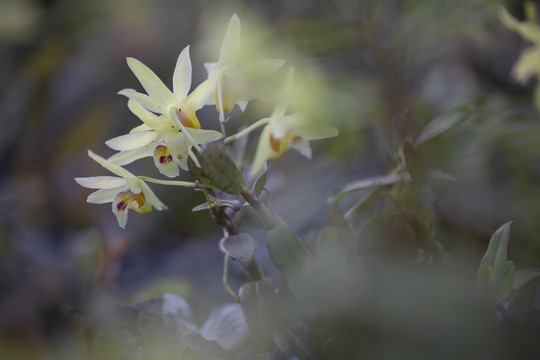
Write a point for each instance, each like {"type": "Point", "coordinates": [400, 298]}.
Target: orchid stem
{"type": "Point", "coordinates": [246, 131]}
{"type": "Point", "coordinates": [226, 278]}
{"type": "Point", "coordinates": [177, 121]}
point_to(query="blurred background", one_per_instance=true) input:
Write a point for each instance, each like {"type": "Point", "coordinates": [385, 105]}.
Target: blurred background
{"type": "Point", "coordinates": [378, 70]}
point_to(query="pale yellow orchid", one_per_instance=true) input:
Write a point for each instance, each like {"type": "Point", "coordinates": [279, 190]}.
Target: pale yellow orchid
{"type": "Point", "coordinates": [528, 64]}
{"type": "Point", "coordinates": [236, 83]}
{"type": "Point", "coordinates": [125, 191]}
{"type": "Point", "coordinates": [177, 105]}
{"type": "Point", "coordinates": [282, 131]}
{"type": "Point", "coordinates": [159, 137]}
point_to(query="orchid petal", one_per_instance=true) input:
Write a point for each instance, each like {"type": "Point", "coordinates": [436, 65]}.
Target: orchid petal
{"type": "Point", "coordinates": [120, 209]}
{"type": "Point", "coordinates": [211, 68]}
{"type": "Point", "coordinates": [101, 182]}
{"type": "Point", "coordinates": [164, 162]}
{"type": "Point", "coordinates": [142, 127]}
{"type": "Point", "coordinates": [103, 196]}
{"type": "Point", "coordinates": [150, 119]}
{"type": "Point", "coordinates": [182, 75]}
{"type": "Point", "coordinates": [127, 157]}
{"type": "Point", "coordinates": [316, 131]}
{"type": "Point", "coordinates": [199, 97]}
{"type": "Point", "coordinates": [177, 146]}
{"type": "Point", "coordinates": [264, 151]}
{"type": "Point", "coordinates": [242, 105]}
{"type": "Point", "coordinates": [302, 145]}
{"type": "Point", "coordinates": [204, 136]}
{"type": "Point", "coordinates": [132, 141]}
{"type": "Point", "coordinates": [143, 100]}
{"type": "Point", "coordinates": [231, 42]}
{"type": "Point", "coordinates": [152, 83]}
{"type": "Point", "coordinates": [527, 65]}
{"type": "Point", "coordinates": [259, 68]}
{"type": "Point", "coordinates": [115, 169]}
{"type": "Point", "coordinates": [151, 198]}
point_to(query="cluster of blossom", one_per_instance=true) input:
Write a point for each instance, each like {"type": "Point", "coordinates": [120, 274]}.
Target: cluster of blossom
{"type": "Point", "coordinates": [171, 133]}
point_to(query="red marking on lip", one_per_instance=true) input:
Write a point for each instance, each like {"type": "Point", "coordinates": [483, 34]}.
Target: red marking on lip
{"type": "Point", "coordinates": [121, 206]}
{"type": "Point", "coordinates": [165, 159]}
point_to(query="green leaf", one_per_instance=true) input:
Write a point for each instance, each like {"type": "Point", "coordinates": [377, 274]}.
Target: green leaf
{"type": "Point", "coordinates": [444, 122]}
{"type": "Point", "coordinates": [288, 254]}
{"type": "Point", "coordinates": [258, 302]}
{"type": "Point", "coordinates": [496, 253]}
{"type": "Point", "coordinates": [260, 184]}
{"type": "Point", "coordinates": [486, 280]}
{"type": "Point", "coordinates": [415, 165]}
{"type": "Point", "coordinates": [218, 171]}
{"type": "Point", "coordinates": [240, 247]}
{"type": "Point", "coordinates": [373, 182]}
{"type": "Point", "coordinates": [504, 287]}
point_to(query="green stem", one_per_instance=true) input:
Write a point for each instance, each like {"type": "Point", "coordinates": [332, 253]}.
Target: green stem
{"type": "Point", "coordinates": [246, 131]}
{"type": "Point", "coordinates": [267, 216]}
{"type": "Point", "coordinates": [226, 278]}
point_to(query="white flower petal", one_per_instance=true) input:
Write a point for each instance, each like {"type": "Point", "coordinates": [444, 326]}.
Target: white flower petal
{"type": "Point", "coordinates": [259, 68]}
{"type": "Point", "coordinates": [211, 68]}
{"type": "Point", "coordinates": [150, 119]}
{"type": "Point", "coordinates": [127, 157]}
{"type": "Point", "coordinates": [152, 83]}
{"type": "Point", "coordinates": [316, 131]}
{"type": "Point", "coordinates": [177, 146]}
{"type": "Point", "coordinates": [164, 162]}
{"type": "Point", "coordinates": [264, 151]}
{"type": "Point", "coordinates": [242, 105]}
{"type": "Point", "coordinates": [143, 100]}
{"type": "Point", "coordinates": [200, 96]}
{"type": "Point", "coordinates": [121, 212]}
{"type": "Point", "coordinates": [101, 182]}
{"type": "Point", "coordinates": [182, 75]}
{"type": "Point", "coordinates": [302, 145]}
{"type": "Point", "coordinates": [103, 196]}
{"type": "Point", "coordinates": [204, 136]}
{"type": "Point", "coordinates": [115, 169]}
{"type": "Point", "coordinates": [231, 42]}
{"type": "Point", "coordinates": [132, 141]}
{"type": "Point", "coordinates": [142, 127]}
{"type": "Point", "coordinates": [150, 197]}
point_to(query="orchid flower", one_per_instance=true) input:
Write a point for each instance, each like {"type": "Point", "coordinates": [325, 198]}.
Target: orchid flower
{"type": "Point", "coordinates": [177, 105]}
{"type": "Point", "coordinates": [159, 137]}
{"type": "Point", "coordinates": [232, 85]}
{"type": "Point", "coordinates": [125, 191]}
{"type": "Point", "coordinates": [282, 131]}
{"type": "Point", "coordinates": [528, 64]}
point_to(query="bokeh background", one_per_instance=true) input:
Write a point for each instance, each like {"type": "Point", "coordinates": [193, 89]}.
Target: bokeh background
{"type": "Point", "coordinates": [381, 70]}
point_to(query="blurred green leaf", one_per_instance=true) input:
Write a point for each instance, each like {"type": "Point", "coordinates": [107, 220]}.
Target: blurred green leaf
{"type": "Point", "coordinates": [506, 285]}
{"type": "Point", "coordinates": [240, 247]}
{"type": "Point", "coordinates": [444, 122]}
{"type": "Point", "coordinates": [496, 253]}
{"type": "Point", "coordinates": [486, 280]}
{"type": "Point", "coordinates": [288, 254]}
{"type": "Point", "coordinates": [260, 184]}
{"type": "Point", "coordinates": [258, 302]}
{"type": "Point", "coordinates": [415, 165]}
